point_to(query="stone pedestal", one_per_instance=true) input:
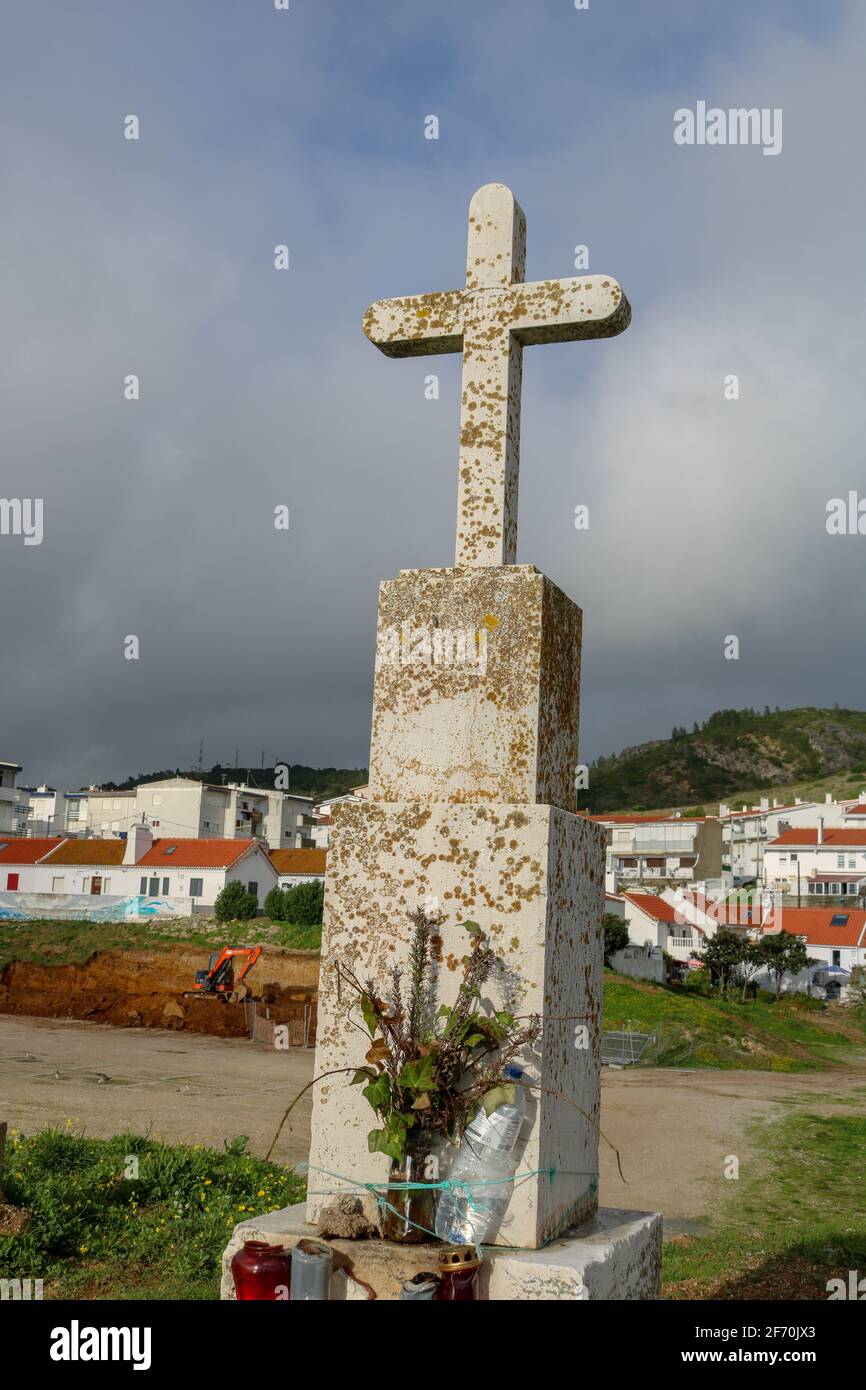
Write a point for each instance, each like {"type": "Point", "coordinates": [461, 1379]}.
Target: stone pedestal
{"type": "Point", "coordinates": [477, 688]}
{"type": "Point", "coordinates": [616, 1255]}
{"type": "Point", "coordinates": [472, 817]}
{"type": "Point", "coordinates": [533, 877]}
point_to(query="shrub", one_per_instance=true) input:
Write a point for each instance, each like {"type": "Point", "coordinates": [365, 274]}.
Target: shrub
{"type": "Point", "coordinates": [234, 903]}
{"type": "Point", "coordinates": [275, 905]}
{"type": "Point", "coordinates": [303, 904]}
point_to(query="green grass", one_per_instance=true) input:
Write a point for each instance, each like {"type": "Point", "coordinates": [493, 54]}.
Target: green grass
{"type": "Point", "coordinates": [697, 1031]}
{"type": "Point", "coordinates": [96, 1233]}
{"type": "Point", "coordinates": [795, 1217]}
{"type": "Point", "coordinates": [69, 943]}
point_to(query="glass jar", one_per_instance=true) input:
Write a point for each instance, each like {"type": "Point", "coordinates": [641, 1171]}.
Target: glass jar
{"type": "Point", "coordinates": [458, 1269]}
{"type": "Point", "coordinates": [411, 1212]}
{"type": "Point", "coordinates": [262, 1271]}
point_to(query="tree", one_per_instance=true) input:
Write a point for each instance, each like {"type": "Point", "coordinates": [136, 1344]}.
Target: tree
{"type": "Point", "coordinates": [615, 935]}
{"type": "Point", "coordinates": [234, 903]}
{"type": "Point", "coordinates": [782, 954]}
{"type": "Point", "coordinates": [723, 955]}
{"type": "Point", "coordinates": [275, 905]}
{"type": "Point", "coordinates": [750, 964]}
{"type": "Point", "coordinates": [303, 904]}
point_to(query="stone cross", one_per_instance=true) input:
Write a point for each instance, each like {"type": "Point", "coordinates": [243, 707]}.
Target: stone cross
{"type": "Point", "coordinates": [490, 322]}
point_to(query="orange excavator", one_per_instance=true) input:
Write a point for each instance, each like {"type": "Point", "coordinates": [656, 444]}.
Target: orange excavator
{"type": "Point", "coordinates": [219, 979]}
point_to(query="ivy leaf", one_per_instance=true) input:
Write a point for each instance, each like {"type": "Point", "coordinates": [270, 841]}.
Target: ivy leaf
{"type": "Point", "coordinates": [421, 1102]}
{"type": "Point", "coordinates": [378, 1142]}
{"type": "Point", "coordinates": [369, 1012]}
{"type": "Point", "coordinates": [473, 928]}
{"type": "Point", "coordinates": [444, 1011]}
{"type": "Point", "coordinates": [363, 1074]}
{"type": "Point", "coordinates": [505, 1019]}
{"type": "Point", "coordinates": [378, 1092]}
{"type": "Point", "coordinates": [500, 1095]}
{"type": "Point", "coordinates": [379, 1052]}
{"type": "Point", "coordinates": [418, 1075]}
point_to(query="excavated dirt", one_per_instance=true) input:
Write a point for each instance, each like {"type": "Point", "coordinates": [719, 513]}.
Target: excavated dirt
{"type": "Point", "coordinates": [145, 988]}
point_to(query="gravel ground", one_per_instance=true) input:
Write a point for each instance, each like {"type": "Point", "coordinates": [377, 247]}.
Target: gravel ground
{"type": "Point", "coordinates": [674, 1129]}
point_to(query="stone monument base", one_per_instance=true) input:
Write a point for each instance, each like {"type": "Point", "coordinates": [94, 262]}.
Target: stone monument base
{"type": "Point", "coordinates": [614, 1256]}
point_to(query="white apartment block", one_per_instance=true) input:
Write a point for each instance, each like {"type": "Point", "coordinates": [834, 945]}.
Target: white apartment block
{"type": "Point", "coordinates": [745, 833]}
{"type": "Point", "coordinates": [184, 807]}
{"type": "Point", "coordinates": [659, 849]}
{"type": "Point", "coordinates": [10, 823]}
{"type": "Point", "coordinates": [46, 811]}
{"type": "Point", "coordinates": [815, 862]}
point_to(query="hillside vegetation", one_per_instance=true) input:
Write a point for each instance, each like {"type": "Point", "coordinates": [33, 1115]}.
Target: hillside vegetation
{"type": "Point", "coordinates": [316, 782]}
{"type": "Point", "coordinates": [693, 1030]}
{"type": "Point", "coordinates": [732, 756]}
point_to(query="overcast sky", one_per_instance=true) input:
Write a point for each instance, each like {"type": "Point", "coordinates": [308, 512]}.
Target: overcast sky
{"type": "Point", "coordinates": [259, 127]}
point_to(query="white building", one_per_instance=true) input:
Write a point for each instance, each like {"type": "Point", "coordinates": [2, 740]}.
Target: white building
{"type": "Point", "coordinates": [109, 813]}
{"type": "Point", "coordinates": [185, 807]}
{"type": "Point", "coordinates": [832, 937]}
{"type": "Point", "coordinates": [186, 872]}
{"type": "Point", "coordinates": [294, 866]}
{"type": "Point", "coordinates": [658, 849]}
{"type": "Point", "coordinates": [814, 862]}
{"type": "Point", "coordinates": [10, 816]}
{"type": "Point", "coordinates": [19, 860]}
{"type": "Point", "coordinates": [653, 921]}
{"type": "Point", "coordinates": [745, 833]}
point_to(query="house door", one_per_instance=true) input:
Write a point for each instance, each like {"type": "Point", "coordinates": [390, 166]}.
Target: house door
{"type": "Point", "coordinates": [12, 881]}
{"type": "Point", "coordinates": [96, 885]}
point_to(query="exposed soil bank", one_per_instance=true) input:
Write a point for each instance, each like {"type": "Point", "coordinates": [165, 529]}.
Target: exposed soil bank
{"type": "Point", "coordinates": [145, 988]}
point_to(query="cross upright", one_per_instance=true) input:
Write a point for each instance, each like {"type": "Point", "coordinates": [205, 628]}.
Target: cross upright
{"type": "Point", "coordinates": [491, 321]}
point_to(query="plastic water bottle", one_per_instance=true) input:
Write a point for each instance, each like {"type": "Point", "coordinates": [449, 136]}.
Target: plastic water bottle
{"type": "Point", "coordinates": [485, 1160]}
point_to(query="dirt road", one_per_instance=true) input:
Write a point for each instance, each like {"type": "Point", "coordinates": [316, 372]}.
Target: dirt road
{"type": "Point", "coordinates": [176, 1086]}
{"type": "Point", "coordinates": [674, 1130]}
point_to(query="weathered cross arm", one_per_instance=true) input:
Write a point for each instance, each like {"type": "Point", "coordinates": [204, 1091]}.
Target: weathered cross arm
{"type": "Point", "coordinates": [563, 311]}
{"type": "Point", "coordinates": [418, 325]}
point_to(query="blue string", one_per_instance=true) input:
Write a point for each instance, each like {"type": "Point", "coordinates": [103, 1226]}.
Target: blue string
{"type": "Point", "coordinates": [379, 1189]}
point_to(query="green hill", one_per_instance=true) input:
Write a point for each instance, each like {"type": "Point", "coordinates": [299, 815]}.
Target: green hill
{"type": "Point", "coordinates": [317, 782]}
{"type": "Point", "coordinates": [731, 756]}
{"type": "Point", "coordinates": [694, 1030]}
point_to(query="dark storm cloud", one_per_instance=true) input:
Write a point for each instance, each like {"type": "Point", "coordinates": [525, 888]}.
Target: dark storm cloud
{"type": "Point", "coordinates": [155, 257]}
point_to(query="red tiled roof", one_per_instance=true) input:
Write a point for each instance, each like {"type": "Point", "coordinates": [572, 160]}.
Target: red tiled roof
{"type": "Point", "coordinates": [655, 907]}
{"type": "Point", "coordinates": [814, 924]}
{"type": "Point", "coordinates": [298, 861]}
{"type": "Point", "coordinates": [88, 852]}
{"type": "Point", "coordinates": [658, 819]}
{"type": "Point", "coordinates": [18, 850]}
{"type": "Point", "coordinates": [195, 854]}
{"type": "Point", "coordinates": [808, 835]}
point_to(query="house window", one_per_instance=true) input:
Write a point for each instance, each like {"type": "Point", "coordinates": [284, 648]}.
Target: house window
{"type": "Point", "coordinates": [165, 887]}
{"type": "Point", "coordinates": [142, 887]}
{"type": "Point", "coordinates": [793, 858]}
{"type": "Point", "coordinates": [57, 885]}
{"type": "Point", "coordinates": [852, 862]}
{"type": "Point", "coordinates": [840, 861]}
{"type": "Point", "coordinates": [196, 887]}
{"type": "Point", "coordinates": [12, 882]}
{"type": "Point", "coordinates": [253, 888]}
{"type": "Point", "coordinates": [837, 957]}
{"type": "Point", "coordinates": [153, 887]}
{"type": "Point", "coordinates": [106, 885]}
